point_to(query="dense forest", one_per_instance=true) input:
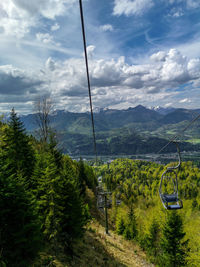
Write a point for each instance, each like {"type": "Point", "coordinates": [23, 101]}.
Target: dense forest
{"type": "Point", "coordinates": [170, 238]}
{"type": "Point", "coordinates": [44, 202]}
{"type": "Point", "coordinates": [42, 196]}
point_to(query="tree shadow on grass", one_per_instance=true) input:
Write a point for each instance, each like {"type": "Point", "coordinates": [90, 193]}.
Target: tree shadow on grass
{"type": "Point", "coordinates": [91, 252]}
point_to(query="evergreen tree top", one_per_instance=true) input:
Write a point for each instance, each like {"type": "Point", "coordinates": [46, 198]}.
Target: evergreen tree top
{"type": "Point", "coordinates": [15, 123]}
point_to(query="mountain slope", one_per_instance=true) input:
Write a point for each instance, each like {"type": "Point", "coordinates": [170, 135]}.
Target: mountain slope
{"type": "Point", "coordinates": [163, 111]}
{"type": "Point", "coordinates": [111, 119]}
{"type": "Point", "coordinates": [98, 249]}
{"type": "Point", "coordinates": [179, 115]}
{"type": "Point", "coordinates": [120, 118]}
{"type": "Point", "coordinates": [130, 131]}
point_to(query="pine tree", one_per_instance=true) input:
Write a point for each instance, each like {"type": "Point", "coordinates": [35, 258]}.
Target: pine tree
{"type": "Point", "coordinates": [127, 233]}
{"type": "Point", "coordinates": [174, 248]}
{"type": "Point", "coordinates": [120, 225]}
{"type": "Point", "coordinates": [152, 240]}
{"type": "Point", "coordinates": [130, 231]}
{"type": "Point", "coordinates": [82, 177]}
{"type": "Point", "coordinates": [61, 207]}
{"type": "Point", "coordinates": [19, 225]}
{"type": "Point", "coordinates": [48, 202]}
{"type": "Point", "coordinates": [20, 237]}
{"type": "Point", "coordinates": [75, 212]}
{"type": "Point", "coordinates": [17, 155]}
{"type": "Point", "coordinates": [91, 179]}
{"type": "Point", "coordinates": [132, 225]}
{"type": "Point", "coordinates": [53, 144]}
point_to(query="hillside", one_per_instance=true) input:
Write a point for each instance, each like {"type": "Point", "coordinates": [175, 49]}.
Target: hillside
{"type": "Point", "coordinates": [98, 249]}
{"type": "Point", "coordinates": [50, 195]}
{"type": "Point", "coordinates": [163, 234]}
{"type": "Point", "coordinates": [48, 207]}
{"type": "Point", "coordinates": [131, 131]}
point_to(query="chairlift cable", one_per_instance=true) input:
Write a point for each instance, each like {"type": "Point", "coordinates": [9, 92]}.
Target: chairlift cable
{"type": "Point", "coordinates": [88, 76]}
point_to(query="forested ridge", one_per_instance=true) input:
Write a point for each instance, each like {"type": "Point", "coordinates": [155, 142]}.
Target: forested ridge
{"type": "Point", "coordinates": [137, 130]}
{"type": "Point", "coordinates": [170, 238]}
{"type": "Point", "coordinates": [45, 208]}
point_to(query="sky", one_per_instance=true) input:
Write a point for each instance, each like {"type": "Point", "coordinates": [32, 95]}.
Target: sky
{"type": "Point", "coordinates": [140, 52]}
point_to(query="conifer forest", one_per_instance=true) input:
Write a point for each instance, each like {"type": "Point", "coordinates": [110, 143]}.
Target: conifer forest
{"type": "Point", "coordinates": [100, 133]}
{"type": "Point", "coordinates": [45, 206]}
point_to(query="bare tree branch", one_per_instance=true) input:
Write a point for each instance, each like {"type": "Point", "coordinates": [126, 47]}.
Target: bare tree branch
{"type": "Point", "coordinates": [43, 108]}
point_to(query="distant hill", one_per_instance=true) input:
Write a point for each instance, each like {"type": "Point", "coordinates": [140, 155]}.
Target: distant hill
{"type": "Point", "coordinates": [130, 131]}
{"type": "Point", "coordinates": [119, 118]}
{"type": "Point", "coordinates": [179, 115]}
{"type": "Point", "coordinates": [163, 111]}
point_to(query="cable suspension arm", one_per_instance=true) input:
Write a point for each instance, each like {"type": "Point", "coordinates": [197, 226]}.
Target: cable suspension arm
{"type": "Point", "coordinates": [88, 76]}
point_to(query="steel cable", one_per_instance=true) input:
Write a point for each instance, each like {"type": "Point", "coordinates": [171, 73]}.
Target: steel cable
{"type": "Point", "coordinates": [88, 77]}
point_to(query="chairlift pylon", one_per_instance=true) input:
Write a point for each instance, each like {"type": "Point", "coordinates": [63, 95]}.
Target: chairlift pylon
{"type": "Point", "coordinates": [171, 201]}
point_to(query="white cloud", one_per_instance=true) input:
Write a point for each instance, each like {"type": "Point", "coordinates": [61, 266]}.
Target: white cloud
{"type": "Point", "coordinates": [106, 27]}
{"type": "Point", "coordinates": [189, 3]}
{"type": "Point", "coordinates": [18, 16]}
{"type": "Point", "coordinates": [114, 83]}
{"type": "Point", "coordinates": [159, 56]}
{"type": "Point", "coordinates": [193, 3]}
{"type": "Point", "coordinates": [46, 38]}
{"type": "Point", "coordinates": [17, 83]}
{"type": "Point", "coordinates": [176, 12]}
{"type": "Point", "coordinates": [14, 21]}
{"type": "Point", "coordinates": [90, 51]}
{"type": "Point", "coordinates": [50, 64]}
{"type": "Point", "coordinates": [47, 8]}
{"type": "Point", "coordinates": [168, 105]}
{"type": "Point", "coordinates": [131, 7]}
{"type": "Point", "coordinates": [55, 27]}
{"type": "Point", "coordinates": [175, 67]}
{"type": "Point", "coordinates": [194, 67]}
{"type": "Point", "coordinates": [190, 49]}
{"type": "Point", "coordinates": [185, 100]}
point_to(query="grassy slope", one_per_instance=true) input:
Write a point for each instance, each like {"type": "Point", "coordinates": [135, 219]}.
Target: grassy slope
{"type": "Point", "coordinates": [97, 248]}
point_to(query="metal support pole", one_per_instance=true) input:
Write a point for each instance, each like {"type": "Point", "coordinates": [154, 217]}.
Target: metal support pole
{"type": "Point", "coordinates": [106, 214]}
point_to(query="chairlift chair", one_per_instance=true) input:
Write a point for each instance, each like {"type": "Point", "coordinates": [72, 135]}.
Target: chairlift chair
{"type": "Point", "coordinates": [100, 205]}
{"type": "Point", "coordinates": [118, 201]}
{"type": "Point", "coordinates": [171, 201]}
{"type": "Point", "coordinates": [100, 202]}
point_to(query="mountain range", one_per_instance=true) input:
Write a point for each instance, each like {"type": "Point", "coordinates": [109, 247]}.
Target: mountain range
{"type": "Point", "coordinates": [130, 131]}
